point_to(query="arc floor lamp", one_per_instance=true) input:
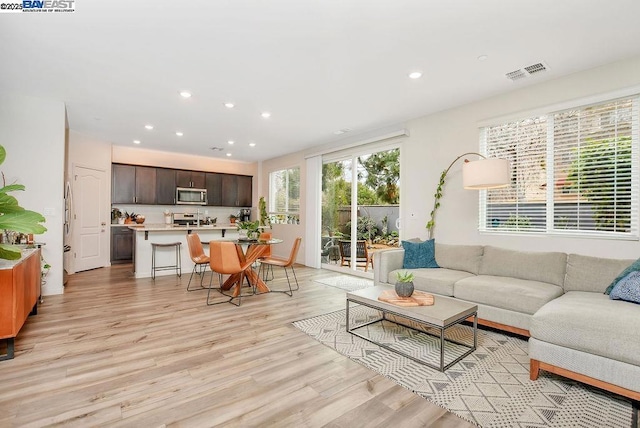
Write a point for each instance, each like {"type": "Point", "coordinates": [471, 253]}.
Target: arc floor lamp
{"type": "Point", "coordinates": [484, 173]}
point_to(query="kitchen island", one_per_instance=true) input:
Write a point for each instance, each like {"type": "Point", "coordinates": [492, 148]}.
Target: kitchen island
{"type": "Point", "coordinates": [145, 234]}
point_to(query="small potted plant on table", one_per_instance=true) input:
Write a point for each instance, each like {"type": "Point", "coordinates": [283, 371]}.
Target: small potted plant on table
{"type": "Point", "coordinates": [404, 284]}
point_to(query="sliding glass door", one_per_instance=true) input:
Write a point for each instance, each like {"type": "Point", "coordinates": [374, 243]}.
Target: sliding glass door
{"type": "Point", "coordinates": [360, 207]}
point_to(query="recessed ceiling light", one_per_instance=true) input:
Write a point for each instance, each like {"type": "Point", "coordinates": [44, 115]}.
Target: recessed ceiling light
{"type": "Point", "coordinates": [483, 57]}
{"type": "Point", "coordinates": [230, 142]}
{"type": "Point", "coordinates": [342, 131]}
{"type": "Point", "coordinates": [179, 134]}
{"type": "Point", "coordinates": [136, 141]}
{"type": "Point", "coordinates": [228, 154]}
{"type": "Point", "coordinates": [252, 144]}
{"type": "Point", "coordinates": [229, 105]}
{"type": "Point", "coordinates": [185, 94]}
{"type": "Point", "coordinates": [415, 75]}
{"type": "Point", "coordinates": [266, 114]}
{"type": "Point", "coordinates": [149, 127]}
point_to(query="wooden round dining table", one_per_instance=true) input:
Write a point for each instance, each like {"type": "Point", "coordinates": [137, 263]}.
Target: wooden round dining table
{"type": "Point", "coordinates": [249, 251]}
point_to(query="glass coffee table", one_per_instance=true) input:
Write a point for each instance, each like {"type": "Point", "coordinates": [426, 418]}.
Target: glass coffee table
{"type": "Point", "coordinates": [443, 314]}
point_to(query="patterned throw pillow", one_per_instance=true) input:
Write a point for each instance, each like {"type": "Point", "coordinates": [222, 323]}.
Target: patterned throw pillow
{"type": "Point", "coordinates": [419, 254]}
{"type": "Point", "coordinates": [635, 266]}
{"type": "Point", "coordinates": [628, 288]}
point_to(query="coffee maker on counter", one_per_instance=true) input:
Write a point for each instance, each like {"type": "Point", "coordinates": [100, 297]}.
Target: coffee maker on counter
{"type": "Point", "coordinates": [245, 214]}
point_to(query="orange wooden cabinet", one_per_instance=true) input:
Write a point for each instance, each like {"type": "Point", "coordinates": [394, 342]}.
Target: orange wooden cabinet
{"type": "Point", "coordinates": [19, 294]}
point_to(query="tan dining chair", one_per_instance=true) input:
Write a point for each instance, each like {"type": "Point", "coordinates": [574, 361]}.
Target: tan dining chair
{"type": "Point", "coordinates": [266, 253]}
{"type": "Point", "coordinates": [269, 262]}
{"type": "Point", "coordinates": [225, 260]}
{"type": "Point", "coordinates": [198, 257]}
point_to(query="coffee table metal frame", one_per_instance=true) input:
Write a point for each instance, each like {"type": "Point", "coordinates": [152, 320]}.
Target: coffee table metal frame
{"type": "Point", "coordinates": [442, 329]}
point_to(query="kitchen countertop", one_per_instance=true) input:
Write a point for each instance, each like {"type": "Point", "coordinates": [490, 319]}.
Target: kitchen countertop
{"type": "Point", "coordinates": [168, 227]}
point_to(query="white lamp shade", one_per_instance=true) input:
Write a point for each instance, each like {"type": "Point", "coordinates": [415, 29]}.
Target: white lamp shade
{"type": "Point", "coordinates": [485, 174]}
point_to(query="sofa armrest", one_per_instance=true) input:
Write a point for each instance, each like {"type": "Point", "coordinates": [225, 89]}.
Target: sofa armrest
{"type": "Point", "coordinates": [385, 262]}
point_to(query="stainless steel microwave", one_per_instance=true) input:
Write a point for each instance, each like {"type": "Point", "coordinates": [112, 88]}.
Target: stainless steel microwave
{"type": "Point", "coordinates": [189, 196]}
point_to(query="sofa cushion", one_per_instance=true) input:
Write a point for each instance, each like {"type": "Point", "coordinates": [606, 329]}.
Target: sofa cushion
{"type": "Point", "coordinates": [586, 273]}
{"type": "Point", "coordinates": [459, 257]}
{"type": "Point", "coordinates": [590, 322]}
{"type": "Point", "coordinates": [419, 255]}
{"type": "Point", "coordinates": [439, 281]}
{"type": "Point", "coordinates": [514, 294]}
{"type": "Point", "coordinates": [535, 266]}
{"type": "Point", "coordinates": [634, 267]}
{"type": "Point", "coordinates": [628, 288]}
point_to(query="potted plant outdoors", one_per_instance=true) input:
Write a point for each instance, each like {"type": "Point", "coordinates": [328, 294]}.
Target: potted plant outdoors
{"type": "Point", "coordinates": [404, 284]}
{"type": "Point", "coordinates": [248, 229]}
{"type": "Point", "coordinates": [15, 218]}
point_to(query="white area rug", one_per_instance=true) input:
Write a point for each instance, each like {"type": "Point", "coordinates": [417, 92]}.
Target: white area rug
{"type": "Point", "coordinates": [346, 282]}
{"type": "Point", "coordinates": [489, 388]}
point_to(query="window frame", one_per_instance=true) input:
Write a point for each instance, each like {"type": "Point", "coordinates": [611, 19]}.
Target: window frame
{"type": "Point", "coordinates": [549, 114]}
{"type": "Point", "coordinates": [272, 192]}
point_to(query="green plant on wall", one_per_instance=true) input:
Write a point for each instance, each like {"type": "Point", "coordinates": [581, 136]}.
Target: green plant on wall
{"type": "Point", "coordinates": [14, 217]}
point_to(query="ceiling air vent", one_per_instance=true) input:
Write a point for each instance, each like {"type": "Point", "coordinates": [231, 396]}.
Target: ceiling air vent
{"type": "Point", "coordinates": [216, 149]}
{"type": "Point", "coordinates": [526, 71]}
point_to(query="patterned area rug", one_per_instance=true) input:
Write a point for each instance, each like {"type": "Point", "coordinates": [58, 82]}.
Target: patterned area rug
{"type": "Point", "coordinates": [489, 388]}
{"type": "Point", "coordinates": [346, 282]}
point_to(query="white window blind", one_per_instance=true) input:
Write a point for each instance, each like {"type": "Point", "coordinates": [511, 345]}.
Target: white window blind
{"type": "Point", "coordinates": [284, 191]}
{"type": "Point", "coordinates": [572, 172]}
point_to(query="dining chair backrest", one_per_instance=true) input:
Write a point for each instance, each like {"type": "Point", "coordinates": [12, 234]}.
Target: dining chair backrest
{"type": "Point", "coordinates": [196, 252]}
{"type": "Point", "coordinates": [265, 236]}
{"type": "Point", "coordinates": [294, 252]}
{"type": "Point", "coordinates": [224, 258]}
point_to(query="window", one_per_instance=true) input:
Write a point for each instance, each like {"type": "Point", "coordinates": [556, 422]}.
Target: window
{"type": "Point", "coordinates": [284, 191]}
{"type": "Point", "coordinates": [572, 172]}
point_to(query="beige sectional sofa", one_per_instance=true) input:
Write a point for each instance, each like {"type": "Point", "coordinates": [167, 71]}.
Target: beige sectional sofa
{"type": "Point", "coordinates": [557, 299]}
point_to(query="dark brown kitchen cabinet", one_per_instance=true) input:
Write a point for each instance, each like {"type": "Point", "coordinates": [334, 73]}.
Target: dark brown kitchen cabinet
{"type": "Point", "coordinates": [121, 244]}
{"type": "Point", "coordinates": [244, 190]}
{"type": "Point", "coordinates": [193, 179]}
{"type": "Point", "coordinates": [145, 185]}
{"type": "Point", "coordinates": [236, 190]}
{"type": "Point", "coordinates": [213, 184]}
{"type": "Point", "coordinates": [165, 186]}
{"type": "Point", "coordinates": [229, 190]}
{"type": "Point", "coordinates": [123, 184]}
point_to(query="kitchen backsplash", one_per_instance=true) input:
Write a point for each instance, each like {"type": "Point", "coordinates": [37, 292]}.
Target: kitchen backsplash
{"type": "Point", "coordinates": [155, 213]}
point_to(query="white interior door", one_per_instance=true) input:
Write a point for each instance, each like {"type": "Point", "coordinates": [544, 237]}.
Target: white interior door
{"type": "Point", "coordinates": [90, 223]}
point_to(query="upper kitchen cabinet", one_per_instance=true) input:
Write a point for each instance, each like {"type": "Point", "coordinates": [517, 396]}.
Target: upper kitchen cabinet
{"type": "Point", "coordinates": [193, 179]}
{"type": "Point", "coordinates": [123, 184]}
{"type": "Point", "coordinates": [145, 185]}
{"type": "Point", "coordinates": [213, 184]}
{"type": "Point", "coordinates": [236, 190]}
{"type": "Point", "coordinates": [244, 190]}
{"type": "Point", "coordinates": [133, 184]}
{"type": "Point", "coordinates": [165, 186]}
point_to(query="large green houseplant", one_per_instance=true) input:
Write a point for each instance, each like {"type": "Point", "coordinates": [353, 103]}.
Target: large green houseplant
{"type": "Point", "coordinates": [14, 217]}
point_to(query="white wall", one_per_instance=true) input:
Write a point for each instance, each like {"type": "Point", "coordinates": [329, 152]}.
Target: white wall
{"type": "Point", "coordinates": [437, 139]}
{"type": "Point", "coordinates": [33, 132]}
{"type": "Point", "coordinates": [88, 152]}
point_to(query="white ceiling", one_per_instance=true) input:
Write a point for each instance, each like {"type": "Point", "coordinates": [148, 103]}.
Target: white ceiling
{"type": "Point", "coordinates": [317, 65]}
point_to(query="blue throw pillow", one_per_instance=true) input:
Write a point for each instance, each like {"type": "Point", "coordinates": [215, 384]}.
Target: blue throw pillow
{"type": "Point", "coordinates": [419, 254]}
{"type": "Point", "coordinates": [628, 288]}
{"type": "Point", "coordinates": [635, 266]}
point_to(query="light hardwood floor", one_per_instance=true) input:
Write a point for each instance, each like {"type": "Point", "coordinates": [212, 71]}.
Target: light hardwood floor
{"type": "Point", "coordinates": [116, 351]}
